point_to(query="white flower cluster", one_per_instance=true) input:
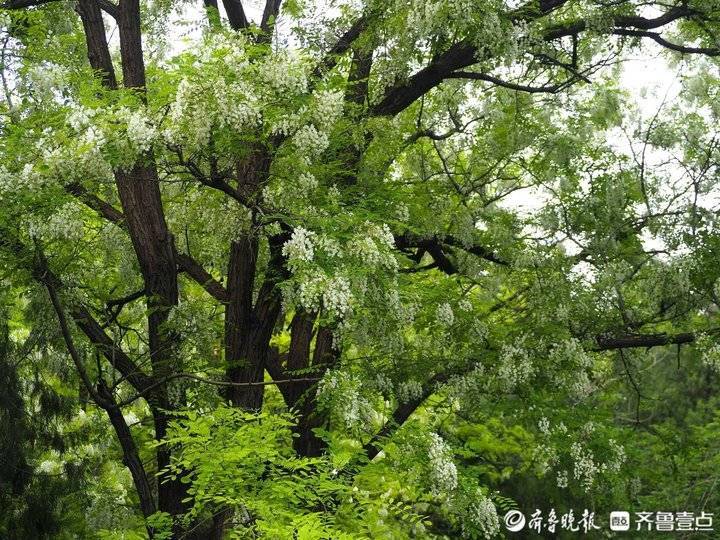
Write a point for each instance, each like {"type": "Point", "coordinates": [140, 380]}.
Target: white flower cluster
{"type": "Point", "coordinates": [489, 32]}
{"type": "Point", "coordinates": [527, 258]}
{"type": "Point", "coordinates": [321, 291]}
{"type": "Point", "coordinates": [710, 353]}
{"type": "Point", "coordinates": [444, 314]}
{"type": "Point", "coordinates": [228, 91]}
{"type": "Point", "coordinates": [327, 108]}
{"type": "Point", "coordinates": [63, 224]}
{"type": "Point", "coordinates": [102, 139]}
{"type": "Point", "coordinates": [230, 48]}
{"type": "Point", "coordinates": [580, 386]}
{"type": "Point", "coordinates": [309, 292]}
{"type": "Point", "coordinates": [50, 467]}
{"type": "Point", "coordinates": [572, 365]}
{"type": "Point", "coordinates": [383, 384]}
{"type": "Point", "coordinates": [333, 275]}
{"type": "Point", "coordinates": [402, 212]}
{"type": "Point", "coordinates": [483, 516]}
{"type": "Point", "coordinates": [12, 183]}
{"type": "Point", "coordinates": [289, 122]}
{"type": "Point", "coordinates": [570, 352]}
{"type": "Point", "coordinates": [585, 468]}
{"type": "Point", "coordinates": [310, 142]}
{"type": "Point", "coordinates": [334, 196]}
{"type": "Point", "coordinates": [329, 246]}
{"type": "Point", "coordinates": [468, 388]}
{"type": "Point", "coordinates": [546, 456]}
{"type": "Point", "coordinates": [588, 429]}
{"type": "Point", "coordinates": [203, 106]}
{"type": "Point", "coordinates": [480, 330]}
{"type": "Point", "coordinates": [306, 184]}
{"type": "Point", "coordinates": [423, 16]}
{"type": "Point", "coordinates": [443, 472]}
{"type": "Point", "coordinates": [618, 458]}
{"type": "Point", "coordinates": [339, 392]}
{"type": "Point", "coordinates": [462, 9]}
{"type": "Point", "coordinates": [373, 246]}
{"type": "Point", "coordinates": [465, 305]}
{"type": "Point", "coordinates": [562, 479]}
{"type": "Point", "coordinates": [141, 133]}
{"type": "Point", "coordinates": [299, 248]}
{"type": "Point", "coordinates": [284, 73]}
{"type": "Point", "coordinates": [408, 391]}
{"type": "Point", "coordinates": [131, 418]}
{"type": "Point", "coordinates": [190, 122]}
{"type": "Point", "coordinates": [80, 118]}
{"type": "Point", "coordinates": [81, 156]}
{"type": "Point", "coordinates": [546, 428]}
{"type": "Point", "coordinates": [402, 312]}
{"type": "Point", "coordinates": [518, 37]}
{"type": "Point", "coordinates": [47, 79]}
{"type": "Point", "coordinates": [516, 366]}
{"type": "Point", "coordinates": [337, 297]}
{"type": "Point", "coordinates": [234, 112]}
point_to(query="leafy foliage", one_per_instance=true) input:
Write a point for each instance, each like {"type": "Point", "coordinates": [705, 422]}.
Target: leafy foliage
{"type": "Point", "coordinates": [354, 270]}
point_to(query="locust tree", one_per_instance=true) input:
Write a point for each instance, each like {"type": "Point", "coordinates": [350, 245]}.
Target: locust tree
{"type": "Point", "coordinates": [275, 247]}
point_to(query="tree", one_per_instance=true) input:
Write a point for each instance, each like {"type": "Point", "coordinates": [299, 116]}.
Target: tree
{"type": "Point", "coordinates": [306, 211]}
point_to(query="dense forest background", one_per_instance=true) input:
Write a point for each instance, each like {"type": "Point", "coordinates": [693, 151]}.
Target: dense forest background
{"type": "Point", "coordinates": [356, 269]}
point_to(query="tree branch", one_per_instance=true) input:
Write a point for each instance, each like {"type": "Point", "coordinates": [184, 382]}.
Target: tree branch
{"type": "Point", "coordinates": [236, 14]}
{"type": "Point", "coordinates": [44, 277]}
{"type": "Point", "coordinates": [186, 263]}
{"type": "Point", "coordinates": [108, 7]}
{"type": "Point", "coordinates": [102, 397]}
{"type": "Point", "coordinates": [609, 343]}
{"type": "Point", "coordinates": [401, 414]}
{"type": "Point", "coordinates": [437, 246]}
{"type": "Point", "coordinates": [220, 383]}
{"type": "Point", "coordinates": [269, 16]}
{"type": "Point", "coordinates": [464, 54]}
{"type": "Point", "coordinates": [98, 52]}
{"type": "Point", "coordinates": [22, 4]}
{"type": "Point", "coordinates": [342, 45]}
{"type": "Point", "coordinates": [130, 371]}
{"type": "Point", "coordinates": [655, 36]}
{"type": "Point", "coordinates": [546, 89]}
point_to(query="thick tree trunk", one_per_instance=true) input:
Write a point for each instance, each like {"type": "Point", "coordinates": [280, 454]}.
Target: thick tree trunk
{"type": "Point", "coordinates": [298, 358]}
{"type": "Point", "coordinates": [253, 356]}
{"type": "Point", "coordinates": [238, 312]}
{"type": "Point", "coordinates": [139, 193]}
{"type": "Point", "coordinates": [131, 457]}
{"type": "Point", "coordinates": [248, 329]}
{"type": "Point", "coordinates": [307, 443]}
{"type": "Point", "coordinates": [96, 40]}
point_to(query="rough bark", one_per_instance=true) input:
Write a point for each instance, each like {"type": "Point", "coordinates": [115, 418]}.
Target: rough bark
{"type": "Point", "coordinates": [307, 443]}
{"type": "Point", "coordinates": [238, 312]}
{"type": "Point", "coordinates": [96, 40]}
{"type": "Point", "coordinates": [250, 365]}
